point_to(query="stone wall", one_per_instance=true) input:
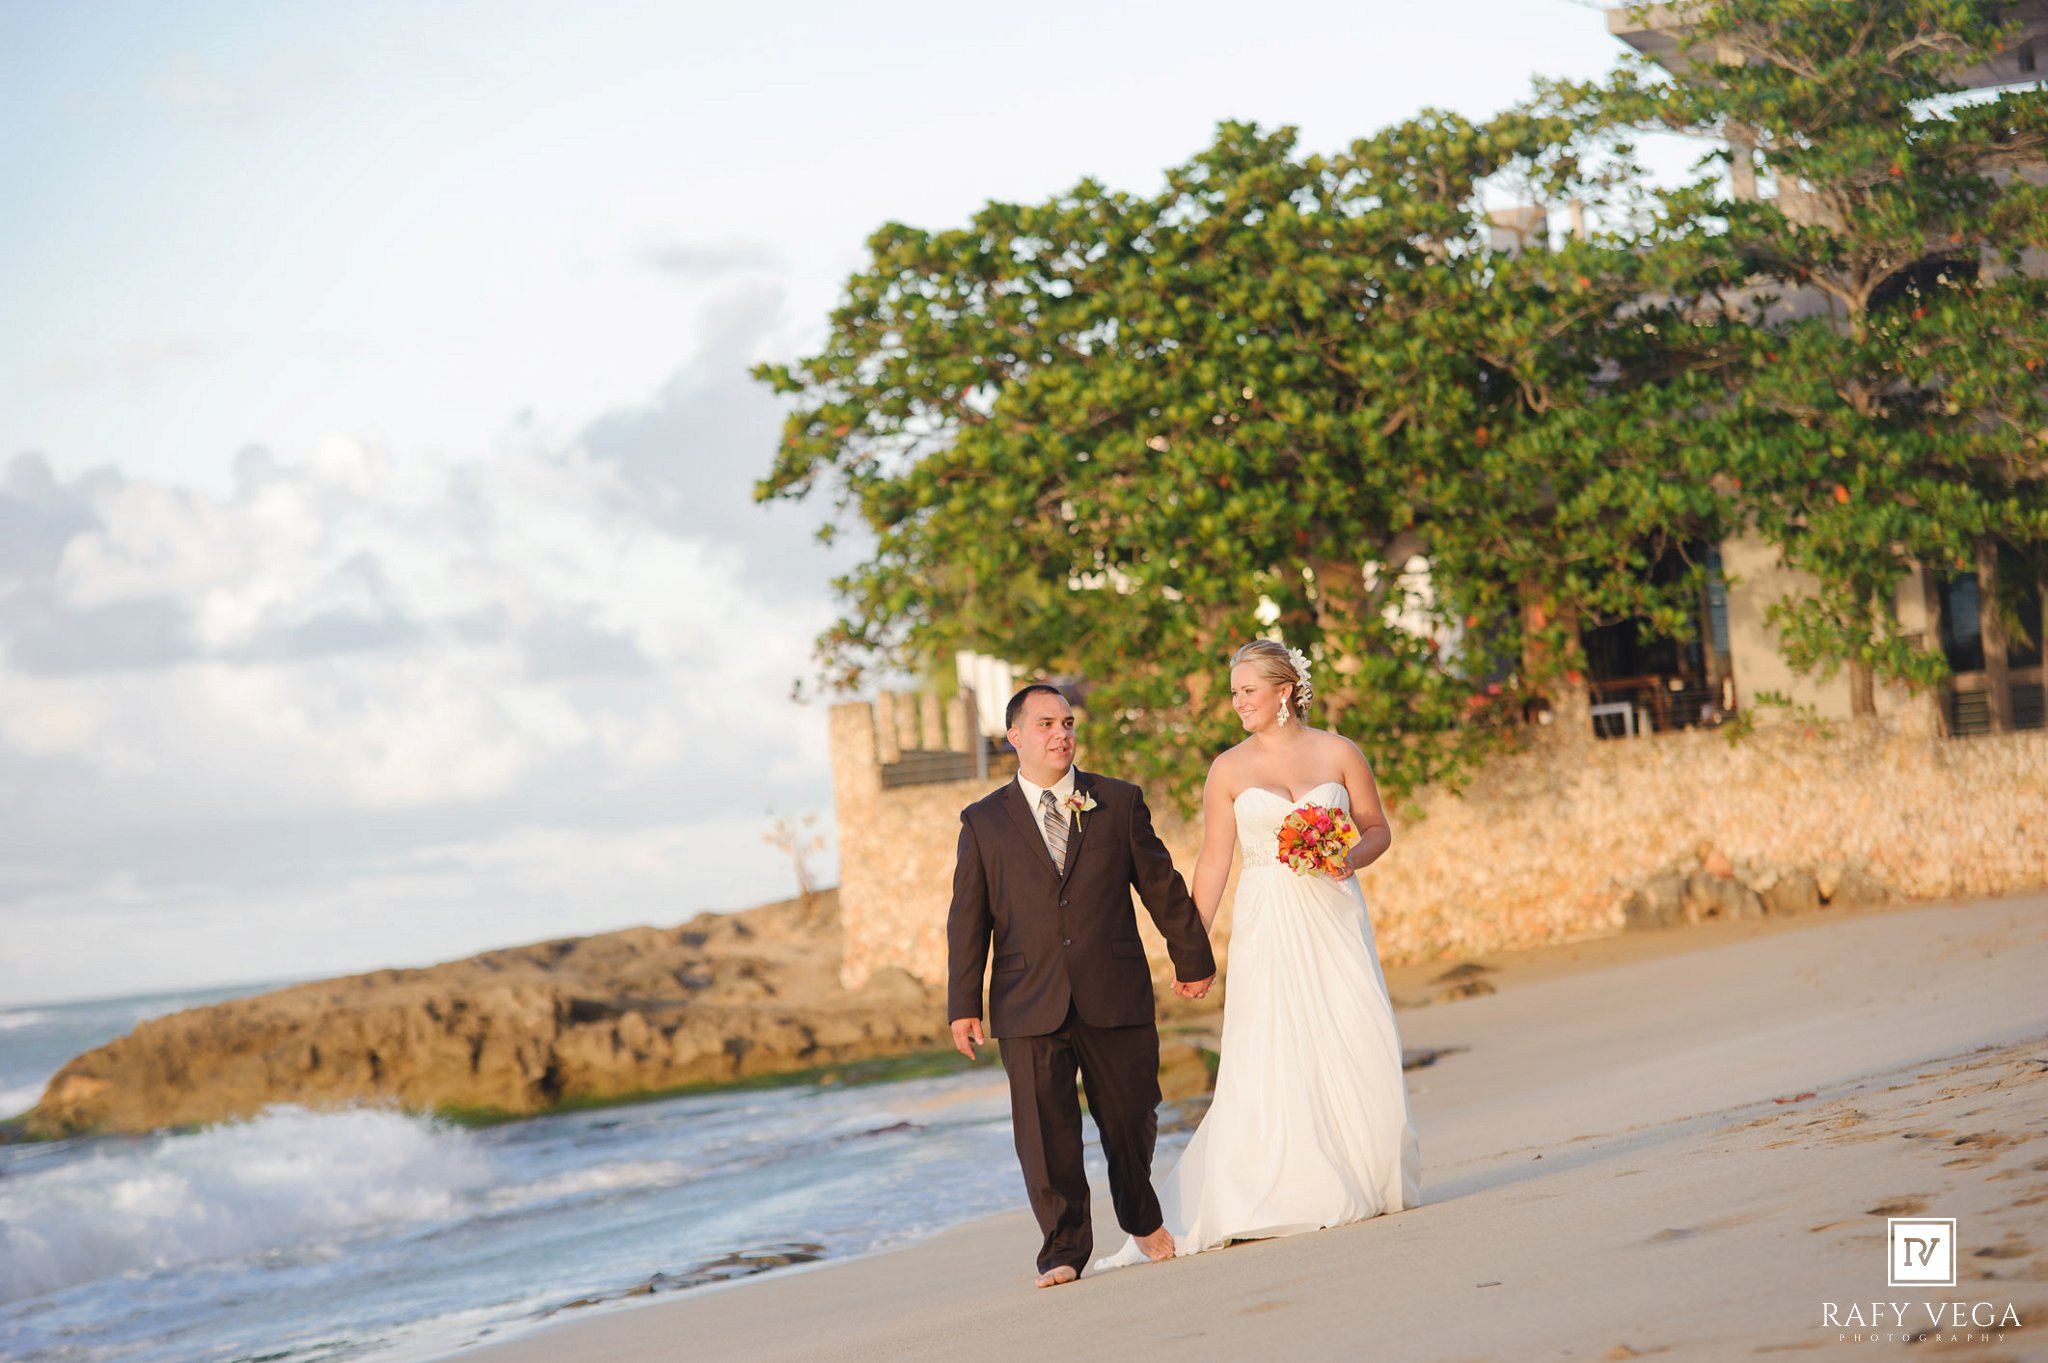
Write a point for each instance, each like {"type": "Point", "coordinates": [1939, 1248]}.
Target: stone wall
{"type": "Point", "coordinates": [1550, 842]}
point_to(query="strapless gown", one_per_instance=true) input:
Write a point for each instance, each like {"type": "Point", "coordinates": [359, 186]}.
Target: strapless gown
{"type": "Point", "coordinates": [1309, 1124]}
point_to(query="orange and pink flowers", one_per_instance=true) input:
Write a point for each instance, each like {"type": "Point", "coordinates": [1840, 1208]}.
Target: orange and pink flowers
{"type": "Point", "coordinates": [1314, 840]}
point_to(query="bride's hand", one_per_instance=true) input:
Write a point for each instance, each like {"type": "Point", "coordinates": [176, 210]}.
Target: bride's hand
{"type": "Point", "coordinates": [1343, 872]}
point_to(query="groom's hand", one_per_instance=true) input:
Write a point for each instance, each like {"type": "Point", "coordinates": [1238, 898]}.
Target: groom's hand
{"type": "Point", "coordinates": [967, 1035]}
{"type": "Point", "coordinates": [1193, 989]}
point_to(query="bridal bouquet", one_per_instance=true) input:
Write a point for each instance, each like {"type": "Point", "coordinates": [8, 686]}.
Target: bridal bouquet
{"type": "Point", "coordinates": [1314, 840]}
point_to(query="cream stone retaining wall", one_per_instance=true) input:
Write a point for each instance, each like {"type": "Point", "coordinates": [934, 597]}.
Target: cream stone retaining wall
{"type": "Point", "coordinates": [1546, 845]}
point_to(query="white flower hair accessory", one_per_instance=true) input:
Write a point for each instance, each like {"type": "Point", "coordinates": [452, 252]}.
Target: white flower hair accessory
{"type": "Point", "coordinates": [1300, 660]}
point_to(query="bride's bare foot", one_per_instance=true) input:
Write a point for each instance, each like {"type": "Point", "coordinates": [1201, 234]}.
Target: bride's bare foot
{"type": "Point", "coordinates": [1057, 1274]}
{"type": "Point", "coordinates": [1158, 1245]}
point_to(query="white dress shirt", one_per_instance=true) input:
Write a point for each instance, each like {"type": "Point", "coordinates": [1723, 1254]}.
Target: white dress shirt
{"type": "Point", "coordinates": [1060, 789]}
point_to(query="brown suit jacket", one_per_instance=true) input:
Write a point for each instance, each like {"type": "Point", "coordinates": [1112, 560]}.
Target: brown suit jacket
{"type": "Point", "coordinates": [1067, 936]}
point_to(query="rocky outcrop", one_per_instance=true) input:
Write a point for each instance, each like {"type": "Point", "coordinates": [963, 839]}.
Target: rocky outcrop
{"type": "Point", "coordinates": [1712, 885]}
{"type": "Point", "coordinates": [512, 1032]}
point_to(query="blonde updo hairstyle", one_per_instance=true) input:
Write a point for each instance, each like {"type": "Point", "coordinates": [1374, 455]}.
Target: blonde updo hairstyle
{"type": "Point", "coordinates": [1276, 666]}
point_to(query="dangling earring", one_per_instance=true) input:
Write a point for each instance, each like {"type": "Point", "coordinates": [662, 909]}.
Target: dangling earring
{"type": "Point", "coordinates": [1283, 712]}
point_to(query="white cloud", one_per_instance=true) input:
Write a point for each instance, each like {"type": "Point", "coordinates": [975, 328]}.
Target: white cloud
{"type": "Point", "coordinates": [40, 717]}
{"type": "Point", "coordinates": [374, 687]}
{"type": "Point", "coordinates": [117, 933]}
{"type": "Point", "coordinates": [710, 261]}
{"type": "Point", "coordinates": [549, 545]}
{"type": "Point", "coordinates": [191, 87]}
{"type": "Point", "coordinates": [154, 542]}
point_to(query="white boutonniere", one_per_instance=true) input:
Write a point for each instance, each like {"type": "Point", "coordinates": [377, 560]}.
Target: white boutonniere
{"type": "Point", "coordinates": [1077, 804]}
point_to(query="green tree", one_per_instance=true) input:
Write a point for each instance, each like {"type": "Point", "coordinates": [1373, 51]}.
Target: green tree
{"type": "Point", "coordinates": [1094, 435]}
{"type": "Point", "coordinates": [1883, 402]}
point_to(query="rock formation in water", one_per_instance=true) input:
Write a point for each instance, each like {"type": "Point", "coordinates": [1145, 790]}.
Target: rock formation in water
{"type": "Point", "coordinates": [517, 1031]}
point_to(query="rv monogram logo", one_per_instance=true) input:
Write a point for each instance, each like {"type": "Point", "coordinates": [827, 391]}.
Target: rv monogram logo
{"type": "Point", "coordinates": [1920, 1251]}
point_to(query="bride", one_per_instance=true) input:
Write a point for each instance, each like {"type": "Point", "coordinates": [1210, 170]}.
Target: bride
{"type": "Point", "coordinates": [1309, 1125]}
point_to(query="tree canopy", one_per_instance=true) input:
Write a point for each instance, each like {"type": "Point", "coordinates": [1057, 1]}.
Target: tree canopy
{"type": "Point", "coordinates": [1884, 401]}
{"type": "Point", "coordinates": [1115, 435]}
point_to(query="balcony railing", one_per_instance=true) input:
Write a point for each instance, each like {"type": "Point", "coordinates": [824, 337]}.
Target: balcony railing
{"type": "Point", "coordinates": [1628, 707]}
{"type": "Point", "coordinates": [929, 766]}
{"type": "Point", "coordinates": [1966, 702]}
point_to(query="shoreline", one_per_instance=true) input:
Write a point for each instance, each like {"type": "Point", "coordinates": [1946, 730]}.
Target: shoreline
{"type": "Point", "coordinates": [1411, 986]}
{"type": "Point", "coordinates": [888, 1069]}
{"type": "Point", "coordinates": [1698, 1059]}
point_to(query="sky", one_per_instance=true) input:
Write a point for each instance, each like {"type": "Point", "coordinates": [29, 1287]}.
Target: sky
{"type": "Point", "coordinates": [380, 580]}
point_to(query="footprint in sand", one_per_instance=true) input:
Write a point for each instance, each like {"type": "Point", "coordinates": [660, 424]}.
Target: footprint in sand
{"type": "Point", "coordinates": [2009, 1173]}
{"type": "Point", "coordinates": [2014, 1246]}
{"type": "Point", "coordinates": [1979, 1147]}
{"type": "Point", "coordinates": [1688, 1232]}
{"type": "Point", "coordinates": [1910, 1205]}
{"type": "Point", "coordinates": [1464, 981]}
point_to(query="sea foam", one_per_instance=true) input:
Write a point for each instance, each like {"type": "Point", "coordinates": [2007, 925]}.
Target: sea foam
{"type": "Point", "coordinates": [284, 1180]}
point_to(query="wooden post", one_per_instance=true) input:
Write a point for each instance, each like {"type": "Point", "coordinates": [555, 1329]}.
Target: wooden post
{"type": "Point", "coordinates": [1937, 630]}
{"type": "Point", "coordinates": [1710, 651]}
{"type": "Point", "coordinates": [1996, 680]}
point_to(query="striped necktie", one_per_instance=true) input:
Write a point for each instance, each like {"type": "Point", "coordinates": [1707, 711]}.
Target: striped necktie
{"type": "Point", "coordinates": [1055, 820]}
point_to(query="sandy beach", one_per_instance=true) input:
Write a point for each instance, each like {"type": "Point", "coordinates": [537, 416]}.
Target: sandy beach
{"type": "Point", "coordinates": [1683, 1145]}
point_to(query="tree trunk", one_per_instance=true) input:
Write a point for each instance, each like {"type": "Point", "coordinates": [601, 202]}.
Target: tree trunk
{"type": "Point", "coordinates": [1862, 680]}
{"type": "Point", "coordinates": [1742, 162]}
{"type": "Point", "coordinates": [1862, 690]}
{"type": "Point", "coordinates": [1343, 607]}
{"type": "Point", "coordinates": [1340, 597]}
{"type": "Point", "coordinates": [1549, 665]}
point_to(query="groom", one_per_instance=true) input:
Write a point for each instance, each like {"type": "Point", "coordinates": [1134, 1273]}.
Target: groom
{"type": "Point", "coordinates": [1046, 868]}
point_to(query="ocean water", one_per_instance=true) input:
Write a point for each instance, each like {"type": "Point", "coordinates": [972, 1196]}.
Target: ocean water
{"type": "Point", "coordinates": [368, 1233]}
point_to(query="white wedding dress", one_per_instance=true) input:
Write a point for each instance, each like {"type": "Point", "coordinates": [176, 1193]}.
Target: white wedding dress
{"type": "Point", "coordinates": [1309, 1124]}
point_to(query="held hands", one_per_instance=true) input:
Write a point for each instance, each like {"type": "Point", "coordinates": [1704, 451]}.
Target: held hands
{"type": "Point", "coordinates": [1193, 989]}
{"type": "Point", "coordinates": [967, 1035]}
